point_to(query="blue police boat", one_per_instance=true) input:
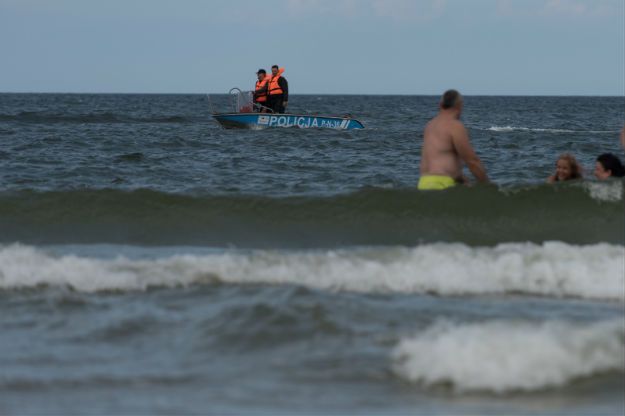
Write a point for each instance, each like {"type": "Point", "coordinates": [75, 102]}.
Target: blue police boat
{"type": "Point", "coordinates": [245, 117]}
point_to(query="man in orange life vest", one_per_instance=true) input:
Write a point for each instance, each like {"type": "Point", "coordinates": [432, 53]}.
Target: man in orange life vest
{"type": "Point", "coordinates": [260, 92]}
{"type": "Point", "coordinates": [278, 90]}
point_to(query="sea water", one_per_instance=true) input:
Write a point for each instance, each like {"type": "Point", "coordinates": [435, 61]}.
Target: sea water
{"type": "Point", "coordinates": [154, 263]}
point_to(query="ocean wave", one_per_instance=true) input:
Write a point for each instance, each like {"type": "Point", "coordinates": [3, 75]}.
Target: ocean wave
{"type": "Point", "coordinates": [546, 130]}
{"type": "Point", "coordinates": [551, 269]}
{"type": "Point", "coordinates": [505, 356]}
{"type": "Point", "coordinates": [480, 215]}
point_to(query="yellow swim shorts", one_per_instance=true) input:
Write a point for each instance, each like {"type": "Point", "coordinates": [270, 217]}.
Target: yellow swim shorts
{"type": "Point", "coordinates": [435, 182]}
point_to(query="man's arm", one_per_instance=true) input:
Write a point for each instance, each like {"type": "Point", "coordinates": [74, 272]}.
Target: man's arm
{"type": "Point", "coordinates": [284, 86]}
{"type": "Point", "coordinates": [463, 146]}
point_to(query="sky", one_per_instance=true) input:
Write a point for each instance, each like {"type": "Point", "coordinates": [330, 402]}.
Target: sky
{"type": "Point", "coordinates": [480, 47]}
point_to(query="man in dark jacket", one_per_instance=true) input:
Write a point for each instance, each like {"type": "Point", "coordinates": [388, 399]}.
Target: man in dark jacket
{"type": "Point", "coordinates": [278, 91]}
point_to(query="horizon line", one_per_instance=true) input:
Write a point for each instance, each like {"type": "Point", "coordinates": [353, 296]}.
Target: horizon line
{"type": "Point", "coordinates": [320, 94]}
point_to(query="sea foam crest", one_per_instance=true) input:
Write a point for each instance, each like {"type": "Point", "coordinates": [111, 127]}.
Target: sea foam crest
{"type": "Point", "coordinates": [608, 191]}
{"type": "Point", "coordinates": [550, 269]}
{"type": "Point", "coordinates": [504, 356]}
{"type": "Point", "coordinates": [544, 130]}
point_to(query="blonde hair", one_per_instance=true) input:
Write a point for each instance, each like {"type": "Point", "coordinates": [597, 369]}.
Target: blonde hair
{"type": "Point", "coordinates": [576, 168]}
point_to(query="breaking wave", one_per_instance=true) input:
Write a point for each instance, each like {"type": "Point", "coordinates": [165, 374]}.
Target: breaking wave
{"type": "Point", "coordinates": [503, 356]}
{"type": "Point", "coordinates": [551, 269]}
{"type": "Point", "coordinates": [582, 213]}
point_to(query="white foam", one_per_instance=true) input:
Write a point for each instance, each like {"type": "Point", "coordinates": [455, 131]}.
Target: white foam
{"type": "Point", "coordinates": [539, 130]}
{"type": "Point", "coordinates": [608, 191]}
{"type": "Point", "coordinates": [506, 356]}
{"type": "Point", "coordinates": [551, 269]}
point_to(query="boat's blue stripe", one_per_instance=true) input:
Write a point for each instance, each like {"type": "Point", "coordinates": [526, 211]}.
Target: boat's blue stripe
{"type": "Point", "coordinates": [291, 120]}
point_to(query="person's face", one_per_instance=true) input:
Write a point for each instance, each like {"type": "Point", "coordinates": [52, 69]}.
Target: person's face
{"type": "Point", "coordinates": [261, 76]}
{"type": "Point", "coordinates": [563, 170]}
{"type": "Point", "coordinates": [274, 71]}
{"type": "Point", "coordinates": [601, 173]}
{"type": "Point", "coordinates": [460, 106]}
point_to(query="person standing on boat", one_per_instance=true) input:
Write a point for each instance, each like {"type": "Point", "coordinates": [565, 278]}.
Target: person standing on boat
{"type": "Point", "coordinates": [278, 92]}
{"type": "Point", "coordinates": [260, 91]}
{"type": "Point", "coordinates": [446, 146]}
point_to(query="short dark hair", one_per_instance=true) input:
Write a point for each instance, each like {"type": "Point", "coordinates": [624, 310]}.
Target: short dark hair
{"type": "Point", "coordinates": [274, 66]}
{"type": "Point", "coordinates": [450, 99]}
{"type": "Point", "coordinates": [612, 163]}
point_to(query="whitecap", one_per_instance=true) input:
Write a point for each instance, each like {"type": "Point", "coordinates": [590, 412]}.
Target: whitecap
{"type": "Point", "coordinates": [544, 130]}
{"type": "Point", "coordinates": [503, 356]}
{"type": "Point", "coordinates": [548, 269]}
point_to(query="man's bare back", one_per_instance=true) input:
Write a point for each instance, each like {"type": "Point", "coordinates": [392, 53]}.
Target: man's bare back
{"type": "Point", "coordinates": [438, 155]}
{"type": "Point", "coordinates": [446, 144]}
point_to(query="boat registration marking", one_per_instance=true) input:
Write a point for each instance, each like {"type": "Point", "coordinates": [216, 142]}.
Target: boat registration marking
{"type": "Point", "coordinates": [302, 122]}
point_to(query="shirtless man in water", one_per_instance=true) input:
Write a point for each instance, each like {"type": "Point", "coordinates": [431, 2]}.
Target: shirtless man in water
{"type": "Point", "coordinates": [445, 146]}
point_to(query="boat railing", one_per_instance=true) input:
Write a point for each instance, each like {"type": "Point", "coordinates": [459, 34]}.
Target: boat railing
{"type": "Point", "coordinates": [239, 102]}
{"type": "Point", "coordinates": [262, 108]}
{"type": "Point", "coordinates": [242, 101]}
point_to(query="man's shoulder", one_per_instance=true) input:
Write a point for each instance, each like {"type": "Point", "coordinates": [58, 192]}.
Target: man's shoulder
{"type": "Point", "coordinates": [456, 124]}
{"type": "Point", "coordinates": [445, 122]}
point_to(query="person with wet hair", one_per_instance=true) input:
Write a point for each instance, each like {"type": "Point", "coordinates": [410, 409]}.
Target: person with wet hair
{"type": "Point", "coordinates": [567, 169]}
{"type": "Point", "coordinates": [608, 166]}
{"type": "Point", "coordinates": [446, 146]}
{"type": "Point", "coordinates": [450, 99]}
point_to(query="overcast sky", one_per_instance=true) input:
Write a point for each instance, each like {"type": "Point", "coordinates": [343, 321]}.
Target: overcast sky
{"type": "Point", "coordinates": [490, 47]}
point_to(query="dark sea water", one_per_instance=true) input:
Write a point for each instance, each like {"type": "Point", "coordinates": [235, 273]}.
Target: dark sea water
{"type": "Point", "coordinates": [154, 263]}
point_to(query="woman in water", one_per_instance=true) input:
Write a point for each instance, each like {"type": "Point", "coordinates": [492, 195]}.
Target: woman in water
{"type": "Point", "coordinates": [567, 169]}
{"type": "Point", "coordinates": [608, 165]}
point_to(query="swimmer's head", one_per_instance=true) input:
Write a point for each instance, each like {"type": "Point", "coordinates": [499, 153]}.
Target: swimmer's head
{"type": "Point", "coordinates": [608, 165]}
{"type": "Point", "coordinates": [452, 99]}
{"type": "Point", "coordinates": [567, 168]}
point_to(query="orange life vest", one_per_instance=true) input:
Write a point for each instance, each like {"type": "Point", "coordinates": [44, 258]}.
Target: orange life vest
{"type": "Point", "coordinates": [260, 85]}
{"type": "Point", "coordinates": [274, 88]}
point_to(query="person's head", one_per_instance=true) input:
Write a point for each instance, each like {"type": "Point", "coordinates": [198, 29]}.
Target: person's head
{"type": "Point", "coordinates": [567, 168]}
{"type": "Point", "coordinates": [274, 70]}
{"type": "Point", "coordinates": [452, 101]}
{"type": "Point", "coordinates": [261, 74]}
{"type": "Point", "coordinates": [608, 165]}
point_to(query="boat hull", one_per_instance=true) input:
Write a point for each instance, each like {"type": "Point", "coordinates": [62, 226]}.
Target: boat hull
{"type": "Point", "coordinates": [257, 121]}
